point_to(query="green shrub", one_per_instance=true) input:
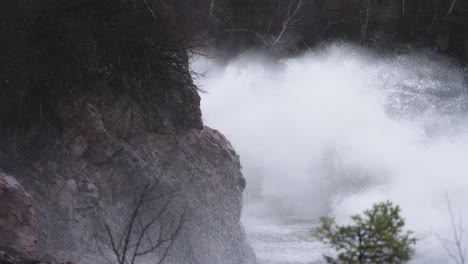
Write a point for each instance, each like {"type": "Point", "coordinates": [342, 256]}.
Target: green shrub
{"type": "Point", "coordinates": [375, 237]}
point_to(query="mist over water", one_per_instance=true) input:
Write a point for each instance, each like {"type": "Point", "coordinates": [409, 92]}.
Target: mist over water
{"type": "Point", "coordinates": [334, 132]}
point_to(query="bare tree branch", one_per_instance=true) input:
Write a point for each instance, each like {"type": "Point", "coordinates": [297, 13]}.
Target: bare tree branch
{"type": "Point", "coordinates": [455, 248]}
{"type": "Point", "coordinates": [211, 7]}
{"type": "Point", "coordinates": [451, 8]}
{"type": "Point", "coordinates": [150, 9]}
{"type": "Point", "coordinates": [365, 25]}
{"type": "Point", "coordinates": [289, 20]}
{"type": "Point", "coordinates": [143, 235]}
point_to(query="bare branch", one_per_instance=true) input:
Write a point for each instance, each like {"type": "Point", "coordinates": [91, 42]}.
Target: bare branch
{"type": "Point", "coordinates": [455, 248]}
{"type": "Point", "coordinates": [150, 9]}
{"type": "Point", "coordinates": [291, 14]}
{"type": "Point", "coordinates": [365, 26]}
{"type": "Point", "coordinates": [114, 248]}
{"type": "Point", "coordinates": [128, 232]}
{"type": "Point", "coordinates": [211, 7]}
{"type": "Point", "coordinates": [450, 9]}
{"type": "Point", "coordinates": [145, 235]}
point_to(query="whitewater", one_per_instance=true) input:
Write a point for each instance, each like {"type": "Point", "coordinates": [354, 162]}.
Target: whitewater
{"type": "Point", "coordinates": [335, 131]}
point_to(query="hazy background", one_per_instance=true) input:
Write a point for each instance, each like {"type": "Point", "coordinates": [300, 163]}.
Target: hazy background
{"type": "Point", "coordinates": [333, 132]}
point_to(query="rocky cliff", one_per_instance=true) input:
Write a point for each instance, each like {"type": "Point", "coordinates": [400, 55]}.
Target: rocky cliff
{"type": "Point", "coordinates": [92, 177]}
{"type": "Point", "coordinates": [103, 153]}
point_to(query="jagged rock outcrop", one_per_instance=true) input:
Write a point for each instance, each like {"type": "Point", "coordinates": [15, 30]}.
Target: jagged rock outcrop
{"type": "Point", "coordinates": [96, 104]}
{"type": "Point", "coordinates": [93, 175]}
{"type": "Point", "coordinates": [17, 217]}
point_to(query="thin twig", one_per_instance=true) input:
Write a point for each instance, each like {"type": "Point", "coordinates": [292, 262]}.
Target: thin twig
{"type": "Point", "coordinates": [451, 8]}
{"type": "Point", "coordinates": [151, 10]}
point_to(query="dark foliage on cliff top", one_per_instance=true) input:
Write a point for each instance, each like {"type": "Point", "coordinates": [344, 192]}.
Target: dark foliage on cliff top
{"type": "Point", "coordinates": [54, 52]}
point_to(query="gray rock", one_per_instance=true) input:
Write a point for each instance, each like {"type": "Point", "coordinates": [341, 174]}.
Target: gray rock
{"type": "Point", "coordinates": [81, 188]}
{"type": "Point", "coordinates": [17, 217]}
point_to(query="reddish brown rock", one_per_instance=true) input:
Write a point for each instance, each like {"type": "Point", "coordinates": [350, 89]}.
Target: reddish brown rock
{"type": "Point", "coordinates": [17, 217]}
{"type": "Point", "coordinates": [96, 170]}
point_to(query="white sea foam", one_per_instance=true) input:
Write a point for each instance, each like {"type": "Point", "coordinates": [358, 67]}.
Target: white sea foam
{"type": "Point", "coordinates": [334, 132]}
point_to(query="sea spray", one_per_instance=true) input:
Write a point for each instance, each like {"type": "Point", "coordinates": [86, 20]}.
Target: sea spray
{"type": "Point", "coordinates": [332, 133]}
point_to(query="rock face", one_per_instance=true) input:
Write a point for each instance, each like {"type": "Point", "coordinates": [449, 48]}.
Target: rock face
{"type": "Point", "coordinates": [17, 217]}
{"type": "Point", "coordinates": [98, 112]}
{"type": "Point", "coordinates": [94, 174]}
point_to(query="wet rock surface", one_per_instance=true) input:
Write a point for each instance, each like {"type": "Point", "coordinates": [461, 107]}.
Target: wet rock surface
{"type": "Point", "coordinates": [56, 208]}
{"type": "Point", "coordinates": [17, 217]}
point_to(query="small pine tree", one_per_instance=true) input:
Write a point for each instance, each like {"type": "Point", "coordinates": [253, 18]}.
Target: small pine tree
{"type": "Point", "coordinates": [376, 237]}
